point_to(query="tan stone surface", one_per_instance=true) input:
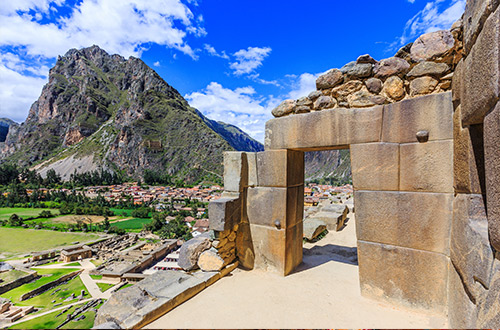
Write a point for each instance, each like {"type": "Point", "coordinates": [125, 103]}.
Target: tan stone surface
{"type": "Point", "coordinates": [489, 304]}
{"type": "Point", "coordinates": [414, 220]}
{"type": "Point", "coordinates": [481, 84]}
{"type": "Point", "coordinates": [476, 12]}
{"type": "Point", "coordinates": [210, 261]}
{"type": "Point", "coordinates": [375, 166]}
{"type": "Point", "coordinates": [266, 205]}
{"type": "Point", "coordinates": [457, 82]}
{"type": "Point", "coordinates": [470, 249]}
{"type": "Point", "coordinates": [327, 128]}
{"type": "Point", "coordinates": [432, 45]}
{"type": "Point", "coordinates": [269, 248]}
{"type": "Point", "coordinates": [280, 168]}
{"type": "Point", "coordinates": [468, 156]}
{"type": "Point", "coordinates": [432, 113]}
{"type": "Point", "coordinates": [244, 246]}
{"type": "Point", "coordinates": [492, 171]}
{"type": "Point", "coordinates": [394, 88]}
{"type": "Point", "coordinates": [426, 166]}
{"type": "Point", "coordinates": [235, 171]}
{"type": "Point", "coordinates": [422, 86]}
{"type": "Point", "coordinates": [322, 293]}
{"type": "Point", "coordinates": [462, 312]}
{"type": "Point", "coordinates": [408, 277]}
{"type": "Point", "coordinates": [252, 169]}
{"type": "Point", "coordinates": [293, 241]}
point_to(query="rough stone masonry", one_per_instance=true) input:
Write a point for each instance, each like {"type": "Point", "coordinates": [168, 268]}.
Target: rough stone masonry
{"type": "Point", "coordinates": [423, 129]}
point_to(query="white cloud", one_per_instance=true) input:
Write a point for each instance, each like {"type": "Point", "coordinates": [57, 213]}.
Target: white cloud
{"type": "Point", "coordinates": [435, 16]}
{"type": "Point", "coordinates": [17, 93]}
{"type": "Point", "coordinates": [305, 85]}
{"type": "Point", "coordinates": [211, 51]}
{"type": "Point", "coordinates": [247, 60]}
{"type": "Point", "coordinates": [411, 1]}
{"type": "Point", "coordinates": [241, 107]}
{"type": "Point", "coordinates": [156, 64]}
{"type": "Point", "coordinates": [244, 107]}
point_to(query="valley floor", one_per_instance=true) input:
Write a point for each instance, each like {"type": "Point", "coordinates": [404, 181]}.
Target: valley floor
{"type": "Point", "coordinates": [323, 293]}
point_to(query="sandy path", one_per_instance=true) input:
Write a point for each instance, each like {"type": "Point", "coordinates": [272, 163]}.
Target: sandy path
{"type": "Point", "coordinates": [323, 293]}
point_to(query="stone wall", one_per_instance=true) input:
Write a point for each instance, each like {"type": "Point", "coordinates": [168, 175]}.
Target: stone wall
{"type": "Point", "coordinates": [425, 164]}
{"type": "Point", "coordinates": [48, 286]}
{"type": "Point", "coordinates": [421, 68]}
{"type": "Point", "coordinates": [474, 286]}
{"type": "Point", "coordinates": [5, 287]}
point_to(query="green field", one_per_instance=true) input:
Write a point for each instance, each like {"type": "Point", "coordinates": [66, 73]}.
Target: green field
{"type": "Point", "coordinates": [23, 241]}
{"type": "Point", "coordinates": [6, 212]}
{"type": "Point", "coordinates": [73, 264]}
{"type": "Point", "coordinates": [122, 212]}
{"type": "Point", "coordinates": [54, 274]}
{"type": "Point", "coordinates": [105, 286]}
{"type": "Point", "coordinates": [96, 277]}
{"type": "Point", "coordinates": [12, 275]}
{"type": "Point", "coordinates": [132, 224]}
{"type": "Point", "coordinates": [51, 321]}
{"type": "Point", "coordinates": [45, 299]}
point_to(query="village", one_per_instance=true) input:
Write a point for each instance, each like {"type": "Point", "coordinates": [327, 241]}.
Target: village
{"type": "Point", "coordinates": [63, 287]}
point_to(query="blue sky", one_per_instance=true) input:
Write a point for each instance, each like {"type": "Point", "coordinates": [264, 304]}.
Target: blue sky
{"type": "Point", "coordinates": [233, 60]}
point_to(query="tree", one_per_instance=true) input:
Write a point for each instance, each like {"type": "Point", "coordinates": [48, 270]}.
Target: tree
{"type": "Point", "coordinates": [15, 220]}
{"type": "Point", "coordinates": [45, 214]}
{"type": "Point", "coordinates": [52, 178]}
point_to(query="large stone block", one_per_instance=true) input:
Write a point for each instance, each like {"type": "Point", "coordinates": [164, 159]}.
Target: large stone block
{"type": "Point", "coordinates": [431, 113]}
{"type": "Point", "coordinates": [375, 166]}
{"type": "Point", "coordinates": [468, 157]}
{"type": "Point", "coordinates": [462, 312]}
{"type": "Point", "coordinates": [252, 169]}
{"type": "Point", "coordinates": [275, 207]}
{"type": "Point", "coordinates": [481, 83]}
{"type": "Point", "coordinates": [235, 171]}
{"type": "Point", "coordinates": [470, 249]}
{"type": "Point", "coordinates": [457, 82]}
{"type": "Point", "coordinates": [277, 250]}
{"type": "Point", "coordinates": [324, 129]}
{"type": "Point", "coordinates": [224, 213]}
{"type": "Point", "coordinates": [280, 168]}
{"type": "Point", "coordinates": [426, 166]}
{"type": "Point", "coordinates": [475, 15]}
{"type": "Point", "coordinates": [419, 221]}
{"type": "Point", "coordinates": [408, 277]}
{"type": "Point", "coordinates": [492, 172]}
{"type": "Point", "coordinates": [244, 246]}
{"type": "Point", "coordinates": [489, 303]}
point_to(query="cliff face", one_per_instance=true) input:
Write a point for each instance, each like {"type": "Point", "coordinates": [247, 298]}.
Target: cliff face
{"type": "Point", "coordinates": [5, 125]}
{"type": "Point", "coordinates": [334, 164]}
{"type": "Point", "coordinates": [121, 114]}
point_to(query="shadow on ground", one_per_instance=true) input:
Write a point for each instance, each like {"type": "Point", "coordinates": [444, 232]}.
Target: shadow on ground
{"type": "Point", "coordinates": [318, 255]}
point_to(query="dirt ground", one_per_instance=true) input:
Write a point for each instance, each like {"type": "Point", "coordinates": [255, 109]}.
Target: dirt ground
{"type": "Point", "coordinates": [86, 219]}
{"type": "Point", "coordinates": [322, 293]}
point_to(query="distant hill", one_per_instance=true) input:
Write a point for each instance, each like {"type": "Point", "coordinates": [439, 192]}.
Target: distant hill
{"type": "Point", "coordinates": [5, 123]}
{"type": "Point", "coordinates": [104, 111]}
{"type": "Point", "coordinates": [334, 165]}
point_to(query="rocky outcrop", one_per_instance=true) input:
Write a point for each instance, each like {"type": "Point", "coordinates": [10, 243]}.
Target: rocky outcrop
{"type": "Point", "coordinates": [423, 67]}
{"type": "Point", "coordinates": [5, 124]}
{"type": "Point", "coordinates": [122, 115]}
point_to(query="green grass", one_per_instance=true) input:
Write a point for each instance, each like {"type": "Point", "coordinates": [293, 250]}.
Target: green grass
{"type": "Point", "coordinates": [6, 212]}
{"type": "Point", "coordinates": [96, 263]}
{"type": "Point", "coordinates": [23, 241]}
{"type": "Point", "coordinates": [50, 321]}
{"type": "Point", "coordinates": [125, 286]}
{"type": "Point", "coordinates": [15, 294]}
{"type": "Point", "coordinates": [96, 277]}
{"type": "Point", "coordinates": [45, 299]}
{"type": "Point", "coordinates": [12, 275]}
{"type": "Point", "coordinates": [122, 212]}
{"type": "Point", "coordinates": [132, 224]}
{"type": "Point", "coordinates": [73, 264]}
{"type": "Point", "coordinates": [104, 286]}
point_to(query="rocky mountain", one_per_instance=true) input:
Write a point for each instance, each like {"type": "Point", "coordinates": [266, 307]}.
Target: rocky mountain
{"type": "Point", "coordinates": [329, 166]}
{"type": "Point", "coordinates": [104, 111]}
{"type": "Point", "coordinates": [5, 123]}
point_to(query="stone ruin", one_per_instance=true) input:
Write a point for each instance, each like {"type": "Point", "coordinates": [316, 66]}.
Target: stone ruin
{"type": "Point", "coordinates": [423, 130]}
